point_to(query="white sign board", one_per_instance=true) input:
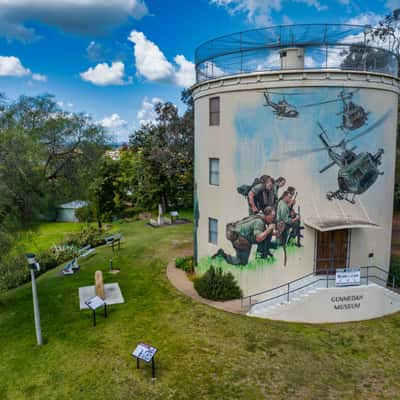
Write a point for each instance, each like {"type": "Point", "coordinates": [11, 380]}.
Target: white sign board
{"type": "Point", "coordinates": [144, 352]}
{"type": "Point", "coordinates": [348, 277]}
{"type": "Point", "coordinates": [95, 303]}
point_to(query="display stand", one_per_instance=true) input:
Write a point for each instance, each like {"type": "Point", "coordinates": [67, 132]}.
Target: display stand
{"type": "Point", "coordinates": [93, 304]}
{"type": "Point", "coordinates": [146, 353]}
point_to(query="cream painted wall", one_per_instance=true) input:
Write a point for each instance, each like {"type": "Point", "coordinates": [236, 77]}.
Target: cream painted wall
{"type": "Point", "coordinates": [238, 96]}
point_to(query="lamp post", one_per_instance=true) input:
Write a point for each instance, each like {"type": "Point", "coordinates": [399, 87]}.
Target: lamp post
{"type": "Point", "coordinates": [34, 266]}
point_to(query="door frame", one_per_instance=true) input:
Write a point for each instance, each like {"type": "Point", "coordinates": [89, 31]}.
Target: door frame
{"type": "Point", "coordinates": [316, 232]}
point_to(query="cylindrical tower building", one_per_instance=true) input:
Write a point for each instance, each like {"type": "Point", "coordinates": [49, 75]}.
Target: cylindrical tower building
{"type": "Point", "coordinates": [295, 148]}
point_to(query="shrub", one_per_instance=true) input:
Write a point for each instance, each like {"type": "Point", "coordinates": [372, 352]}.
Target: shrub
{"type": "Point", "coordinates": [14, 271]}
{"type": "Point", "coordinates": [216, 285]}
{"type": "Point", "coordinates": [394, 271]}
{"type": "Point", "coordinates": [185, 263]}
{"type": "Point", "coordinates": [88, 235]}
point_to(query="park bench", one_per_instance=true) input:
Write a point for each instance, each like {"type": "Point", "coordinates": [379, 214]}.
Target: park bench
{"type": "Point", "coordinates": [85, 251]}
{"type": "Point", "coordinates": [71, 267]}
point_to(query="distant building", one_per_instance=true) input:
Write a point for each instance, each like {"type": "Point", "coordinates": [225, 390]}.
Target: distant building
{"type": "Point", "coordinates": [114, 154]}
{"type": "Point", "coordinates": [66, 212]}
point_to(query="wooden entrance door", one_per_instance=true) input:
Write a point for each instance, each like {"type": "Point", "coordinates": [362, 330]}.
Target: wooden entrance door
{"type": "Point", "coordinates": [332, 248]}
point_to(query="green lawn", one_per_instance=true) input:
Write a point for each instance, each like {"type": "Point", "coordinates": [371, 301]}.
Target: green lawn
{"type": "Point", "coordinates": [203, 353]}
{"type": "Point", "coordinates": [42, 236]}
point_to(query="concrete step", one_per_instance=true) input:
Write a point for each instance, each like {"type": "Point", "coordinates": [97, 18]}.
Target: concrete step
{"type": "Point", "coordinates": [334, 304]}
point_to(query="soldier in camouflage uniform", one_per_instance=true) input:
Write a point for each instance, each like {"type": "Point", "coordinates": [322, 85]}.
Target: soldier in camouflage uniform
{"type": "Point", "coordinates": [255, 229]}
{"type": "Point", "coordinates": [284, 216]}
{"type": "Point", "coordinates": [261, 195]}
{"type": "Point", "coordinates": [278, 184]}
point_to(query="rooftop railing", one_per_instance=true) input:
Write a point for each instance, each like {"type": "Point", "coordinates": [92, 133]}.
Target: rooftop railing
{"type": "Point", "coordinates": [341, 47]}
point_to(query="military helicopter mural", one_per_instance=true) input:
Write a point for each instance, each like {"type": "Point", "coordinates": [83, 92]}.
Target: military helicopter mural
{"type": "Point", "coordinates": [282, 109]}
{"type": "Point", "coordinates": [353, 115]}
{"type": "Point", "coordinates": [357, 171]}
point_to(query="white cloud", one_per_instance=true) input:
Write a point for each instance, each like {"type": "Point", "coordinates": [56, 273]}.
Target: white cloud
{"type": "Point", "coordinates": [146, 114]}
{"type": "Point", "coordinates": [150, 60]}
{"type": "Point", "coordinates": [367, 18]}
{"type": "Point", "coordinates": [12, 66]}
{"type": "Point", "coordinates": [39, 77]}
{"type": "Point", "coordinates": [113, 121]}
{"type": "Point", "coordinates": [152, 64]}
{"type": "Point", "coordinates": [62, 104]}
{"type": "Point", "coordinates": [258, 12]}
{"type": "Point", "coordinates": [74, 16]}
{"type": "Point", "coordinates": [185, 75]}
{"type": "Point", "coordinates": [104, 74]}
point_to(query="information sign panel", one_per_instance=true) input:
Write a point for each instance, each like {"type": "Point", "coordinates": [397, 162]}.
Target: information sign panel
{"type": "Point", "coordinates": [95, 303]}
{"type": "Point", "coordinates": [144, 352]}
{"type": "Point", "coordinates": [348, 277]}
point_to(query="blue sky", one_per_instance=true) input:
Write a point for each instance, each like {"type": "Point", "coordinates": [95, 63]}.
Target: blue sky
{"type": "Point", "coordinates": [113, 59]}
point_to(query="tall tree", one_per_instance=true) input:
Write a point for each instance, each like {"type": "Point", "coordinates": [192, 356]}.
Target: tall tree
{"type": "Point", "coordinates": [46, 156]}
{"type": "Point", "coordinates": [166, 150]}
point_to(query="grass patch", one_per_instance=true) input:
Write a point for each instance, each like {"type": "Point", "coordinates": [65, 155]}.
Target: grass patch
{"type": "Point", "coordinates": [41, 237]}
{"type": "Point", "coordinates": [204, 353]}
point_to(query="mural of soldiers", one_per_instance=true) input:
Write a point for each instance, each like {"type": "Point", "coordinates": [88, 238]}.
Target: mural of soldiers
{"type": "Point", "coordinates": [261, 195]}
{"type": "Point", "coordinates": [279, 183]}
{"type": "Point", "coordinates": [284, 216]}
{"type": "Point", "coordinates": [255, 229]}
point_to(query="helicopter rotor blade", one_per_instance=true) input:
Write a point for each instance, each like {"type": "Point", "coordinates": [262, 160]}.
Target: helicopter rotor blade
{"type": "Point", "coordinates": [319, 103]}
{"type": "Point", "coordinates": [371, 127]}
{"type": "Point", "coordinates": [330, 165]}
{"type": "Point", "coordinates": [300, 153]}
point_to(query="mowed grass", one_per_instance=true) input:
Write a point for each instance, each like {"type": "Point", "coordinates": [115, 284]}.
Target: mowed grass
{"type": "Point", "coordinates": [203, 353]}
{"type": "Point", "coordinates": [43, 236]}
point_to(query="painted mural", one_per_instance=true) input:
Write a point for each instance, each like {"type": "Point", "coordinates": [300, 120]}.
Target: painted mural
{"type": "Point", "coordinates": [272, 221]}
{"type": "Point", "coordinates": [314, 150]}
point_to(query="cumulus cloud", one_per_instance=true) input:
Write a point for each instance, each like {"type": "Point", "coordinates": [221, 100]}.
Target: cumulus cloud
{"type": "Point", "coordinates": [73, 16]}
{"type": "Point", "coordinates": [185, 75]}
{"type": "Point", "coordinates": [12, 66]}
{"type": "Point", "coordinates": [146, 114]}
{"type": "Point", "coordinates": [152, 64]}
{"type": "Point", "coordinates": [113, 121]}
{"type": "Point", "coordinates": [105, 75]}
{"type": "Point", "coordinates": [258, 12]}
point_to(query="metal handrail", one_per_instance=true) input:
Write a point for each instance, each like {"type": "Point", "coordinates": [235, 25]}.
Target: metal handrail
{"type": "Point", "coordinates": [327, 279]}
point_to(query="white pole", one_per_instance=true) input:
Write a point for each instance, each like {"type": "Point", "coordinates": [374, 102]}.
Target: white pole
{"type": "Point", "coordinates": [36, 310]}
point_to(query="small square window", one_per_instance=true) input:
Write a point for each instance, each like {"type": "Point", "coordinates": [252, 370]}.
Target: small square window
{"type": "Point", "coordinates": [214, 111]}
{"type": "Point", "coordinates": [214, 171]}
{"type": "Point", "coordinates": [213, 230]}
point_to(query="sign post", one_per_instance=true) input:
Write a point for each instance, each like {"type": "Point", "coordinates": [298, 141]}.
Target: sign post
{"type": "Point", "coordinates": [146, 353]}
{"type": "Point", "coordinates": [34, 266]}
{"type": "Point", "coordinates": [94, 303]}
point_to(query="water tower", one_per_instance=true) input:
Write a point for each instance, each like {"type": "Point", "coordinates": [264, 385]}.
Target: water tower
{"type": "Point", "coordinates": [298, 122]}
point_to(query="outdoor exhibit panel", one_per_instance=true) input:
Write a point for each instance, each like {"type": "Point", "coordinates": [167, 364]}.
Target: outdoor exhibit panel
{"type": "Point", "coordinates": [330, 137]}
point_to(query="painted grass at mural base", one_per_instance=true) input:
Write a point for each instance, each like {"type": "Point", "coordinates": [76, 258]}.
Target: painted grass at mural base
{"type": "Point", "coordinates": [253, 264]}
